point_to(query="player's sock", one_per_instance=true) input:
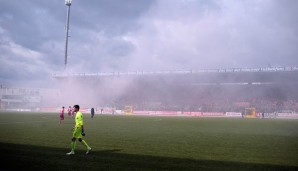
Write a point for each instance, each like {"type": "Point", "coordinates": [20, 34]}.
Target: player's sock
{"type": "Point", "coordinates": [73, 146]}
{"type": "Point", "coordinates": [85, 144]}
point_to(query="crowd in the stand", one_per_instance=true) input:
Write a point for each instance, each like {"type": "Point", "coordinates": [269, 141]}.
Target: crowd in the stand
{"type": "Point", "coordinates": [261, 105]}
{"type": "Point", "coordinates": [267, 98]}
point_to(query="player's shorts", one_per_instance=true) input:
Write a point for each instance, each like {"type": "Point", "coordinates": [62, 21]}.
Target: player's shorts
{"type": "Point", "coordinates": [77, 132]}
{"type": "Point", "coordinates": [61, 117]}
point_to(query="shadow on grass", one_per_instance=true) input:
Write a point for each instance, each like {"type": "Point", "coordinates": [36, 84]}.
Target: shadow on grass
{"type": "Point", "coordinates": [28, 157]}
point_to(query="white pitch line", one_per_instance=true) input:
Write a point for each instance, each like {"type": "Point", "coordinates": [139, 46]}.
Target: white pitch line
{"type": "Point", "coordinates": [6, 123]}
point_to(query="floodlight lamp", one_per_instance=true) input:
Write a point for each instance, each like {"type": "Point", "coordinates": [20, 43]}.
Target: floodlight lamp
{"type": "Point", "coordinates": [68, 2]}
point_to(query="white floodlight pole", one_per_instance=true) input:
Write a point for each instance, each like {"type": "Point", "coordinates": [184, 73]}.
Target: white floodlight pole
{"type": "Point", "coordinates": [68, 4]}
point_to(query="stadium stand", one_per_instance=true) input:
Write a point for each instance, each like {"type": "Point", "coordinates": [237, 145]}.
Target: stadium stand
{"type": "Point", "coordinates": [267, 89]}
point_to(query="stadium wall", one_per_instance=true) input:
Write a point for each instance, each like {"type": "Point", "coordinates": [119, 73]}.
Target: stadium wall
{"type": "Point", "coordinates": [113, 111]}
{"type": "Point", "coordinates": [214, 114]}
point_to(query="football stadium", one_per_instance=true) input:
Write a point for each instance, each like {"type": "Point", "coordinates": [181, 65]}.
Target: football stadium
{"type": "Point", "coordinates": [223, 119]}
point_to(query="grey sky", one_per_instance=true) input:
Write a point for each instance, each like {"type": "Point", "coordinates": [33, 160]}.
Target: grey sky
{"type": "Point", "coordinates": [117, 35]}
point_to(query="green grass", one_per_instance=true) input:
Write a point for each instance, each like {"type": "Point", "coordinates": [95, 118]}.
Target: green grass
{"type": "Point", "coordinates": [36, 141]}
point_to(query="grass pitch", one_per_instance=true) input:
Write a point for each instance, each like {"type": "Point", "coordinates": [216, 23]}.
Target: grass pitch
{"type": "Point", "coordinates": [36, 141]}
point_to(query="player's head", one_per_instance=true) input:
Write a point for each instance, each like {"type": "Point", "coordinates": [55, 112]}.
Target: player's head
{"type": "Point", "coordinates": [76, 107]}
{"type": "Point", "coordinates": [63, 107]}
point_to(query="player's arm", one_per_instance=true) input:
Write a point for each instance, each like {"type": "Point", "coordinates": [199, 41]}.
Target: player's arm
{"type": "Point", "coordinates": [83, 133]}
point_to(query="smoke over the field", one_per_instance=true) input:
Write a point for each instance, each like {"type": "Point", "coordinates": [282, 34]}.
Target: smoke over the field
{"type": "Point", "coordinates": [118, 36]}
{"type": "Point", "coordinates": [93, 92]}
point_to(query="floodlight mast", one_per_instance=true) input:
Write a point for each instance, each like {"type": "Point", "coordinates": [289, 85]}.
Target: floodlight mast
{"type": "Point", "coordinates": [68, 4]}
